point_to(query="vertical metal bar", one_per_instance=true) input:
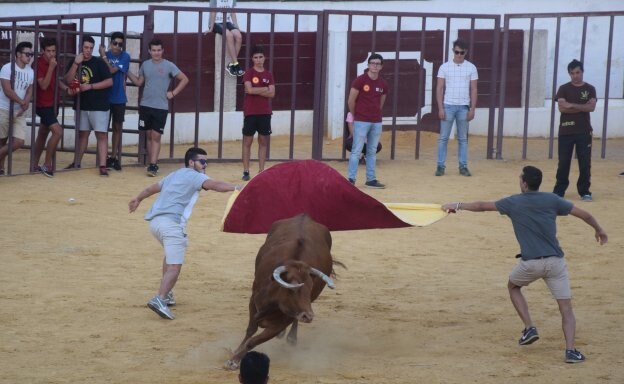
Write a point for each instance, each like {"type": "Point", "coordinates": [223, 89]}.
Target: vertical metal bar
{"type": "Point", "coordinates": [527, 90]}
{"type": "Point", "coordinates": [501, 95]}
{"type": "Point", "coordinates": [198, 82]}
{"type": "Point", "coordinates": [605, 115]}
{"type": "Point", "coordinates": [349, 77]}
{"type": "Point", "coordinates": [172, 101]}
{"type": "Point", "coordinates": [422, 81]}
{"type": "Point", "coordinates": [447, 39]}
{"type": "Point", "coordinates": [583, 39]}
{"type": "Point", "coordinates": [271, 61]}
{"type": "Point", "coordinates": [293, 87]}
{"type": "Point", "coordinates": [554, 88]}
{"type": "Point", "coordinates": [320, 79]}
{"type": "Point", "coordinates": [493, 88]}
{"type": "Point", "coordinates": [395, 86]}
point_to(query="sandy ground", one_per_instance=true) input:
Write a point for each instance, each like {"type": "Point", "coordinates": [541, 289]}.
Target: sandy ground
{"type": "Point", "coordinates": [416, 305]}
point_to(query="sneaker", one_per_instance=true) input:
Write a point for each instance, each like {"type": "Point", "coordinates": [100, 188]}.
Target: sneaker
{"type": "Point", "coordinates": [464, 171]}
{"type": "Point", "coordinates": [46, 171]}
{"type": "Point", "coordinates": [103, 171]}
{"type": "Point", "coordinates": [239, 71]}
{"type": "Point", "coordinates": [231, 70]}
{"type": "Point", "coordinates": [574, 356]}
{"type": "Point", "coordinates": [246, 176]}
{"type": "Point", "coordinates": [152, 170]}
{"type": "Point", "coordinates": [116, 165]}
{"type": "Point", "coordinates": [529, 336]}
{"type": "Point", "coordinates": [169, 299]}
{"type": "Point", "coordinates": [622, 174]}
{"type": "Point", "coordinates": [587, 198]}
{"type": "Point", "coordinates": [439, 171]}
{"type": "Point", "coordinates": [374, 184]}
{"type": "Point", "coordinates": [36, 168]}
{"type": "Point", "coordinates": [352, 181]}
{"type": "Point", "coordinates": [72, 166]}
{"type": "Point", "coordinates": [160, 307]}
{"type": "Point", "coordinates": [109, 163]}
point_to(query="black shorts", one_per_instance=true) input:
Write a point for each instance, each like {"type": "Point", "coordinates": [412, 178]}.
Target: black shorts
{"type": "Point", "coordinates": [257, 123]}
{"type": "Point", "coordinates": [152, 118]}
{"type": "Point", "coordinates": [47, 115]}
{"type": "Point", "coordinates": [118, 112]}
{"type": "Point", "coordinates": [218, 27]}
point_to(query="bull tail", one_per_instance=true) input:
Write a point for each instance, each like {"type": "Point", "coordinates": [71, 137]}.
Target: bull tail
{"type": "Point", "coordinates": [338, 263]}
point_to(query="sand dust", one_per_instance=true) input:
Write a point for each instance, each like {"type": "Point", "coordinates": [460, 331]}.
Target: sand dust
{"type": "Point", "coordinates": [416, 305]}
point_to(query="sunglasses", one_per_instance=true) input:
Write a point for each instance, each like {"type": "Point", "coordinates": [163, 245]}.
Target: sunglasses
{"type": "Point", "coordinates": [29, 54]}
{"type": "Point", "coordinates": [117, 44]}
{"type": "Point", "coordinates": [202, 161]}
{"type": "Point", "coordinates": [460, 52]}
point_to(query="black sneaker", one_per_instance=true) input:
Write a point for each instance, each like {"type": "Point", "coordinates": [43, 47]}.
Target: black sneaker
{"type": "Point", "coordinates": [109, 163]}
{"type": "Point", "coordinates": [352, 181]}
{"type": "Point", "coordinates": [103, 171]}
{"type": "Point", "coordinates": [529, 336]}
{"type": "Point", "coordinates": [46, 171]}
{"type": "Point", "coordinates": [439, 171]}
{"type": "Point", "coordinates": [574, 356]}
{"type": "Point", "coordinates": [152, 170]}
{"type": "Point", "coordinates": [231, 70]}
{"type": "Point", "coordinates": [246, 176]}
{"type": "Point", "coordinates": [116, 165]}
{"type": "Point", "coordinates": [239, 71]}
{"type": "Point", "coordinates": [72, 166]}
{"type": "Point", "coordinates": [374, 184]}
{"type": "Point", "coordinates": [464, 171]}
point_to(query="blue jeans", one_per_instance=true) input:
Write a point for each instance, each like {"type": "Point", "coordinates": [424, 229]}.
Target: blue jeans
{"type": "Point", "coordinates": [459, 114]}
{"type": "Point", "coordinates": [369, 133]}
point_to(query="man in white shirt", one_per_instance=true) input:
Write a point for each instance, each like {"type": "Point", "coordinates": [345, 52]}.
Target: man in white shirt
{"type": "Point", "coordinates": [456, 96]}
{"type": "Point", "coordinates": [20, 93]}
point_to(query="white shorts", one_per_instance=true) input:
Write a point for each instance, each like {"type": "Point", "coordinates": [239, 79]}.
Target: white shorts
{"type": "Point", "coordinates": [552, 269]}
{"type": "Point", "coordinates": [171, 236]}
{"type": "Point", "coordinates": [94, 121]}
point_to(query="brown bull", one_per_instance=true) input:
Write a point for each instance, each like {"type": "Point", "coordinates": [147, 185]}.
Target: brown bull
{"type": "Point", "coordinates": [292, 268]}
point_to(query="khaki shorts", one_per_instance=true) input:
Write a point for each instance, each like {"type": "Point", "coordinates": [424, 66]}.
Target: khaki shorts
{"type": "Point", "coordinates": [552, 269]}
{"type": "Point", "coordinates": [172, 236]}
{"type": "Point", "coordinates": [19, 125]}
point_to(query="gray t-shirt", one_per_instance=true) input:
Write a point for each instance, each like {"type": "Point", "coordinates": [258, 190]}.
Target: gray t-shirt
{"type": "Point", "coordinates": [158, 77]}
{"type": "Point", "coordinates": [533, 216]}
{"type": "Point", "coordinates": [178, 193]}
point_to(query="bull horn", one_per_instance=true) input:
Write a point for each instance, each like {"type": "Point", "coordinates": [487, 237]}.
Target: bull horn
{"type": "Point", "coordinates": [326, 279]}
{"type": "Point", "coordinates": [277, 275]}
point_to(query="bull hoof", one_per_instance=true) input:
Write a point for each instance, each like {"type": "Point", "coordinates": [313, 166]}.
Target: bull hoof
{"type": "Point", "coordinates": [231, 365]}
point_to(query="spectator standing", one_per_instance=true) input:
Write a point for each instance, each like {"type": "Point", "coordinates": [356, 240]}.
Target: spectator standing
{"type": "Point", "coordinates": [47, 105]}
{"type": "Point", "coordinates": [259, 89]}
{"type": "Point", "coordinates": [456, 96]}
{"type": "Point", "coordinates": [20, 93]}
{"type": "Point", "coordinates": [92, 79]}
{"type": "Point", "coordinates": [118, 62]}
{"type": "Point", "coordinates": [366, 100]}
{"type": "Point", "coordinates": [575, 99]}
{"type": "Point", "coordinates": [156, 74]}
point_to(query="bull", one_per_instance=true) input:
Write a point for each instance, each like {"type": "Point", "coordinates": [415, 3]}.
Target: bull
{"type": "Point", "coordinates": [292, 268]}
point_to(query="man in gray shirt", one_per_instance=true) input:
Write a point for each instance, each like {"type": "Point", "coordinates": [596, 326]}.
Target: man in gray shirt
{"type": "Point", "coordinates": [533, 215]}
{"type": "Point", "coordinates": [168, 217]}
{"type": "Point", "coordinates": [156, 73]}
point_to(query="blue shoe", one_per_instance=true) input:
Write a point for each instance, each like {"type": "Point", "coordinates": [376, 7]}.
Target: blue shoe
{"type": "Point", "coordinates": [587, 198]}
{"type": "Point", "coordinates": [157, 305]}
{"type": "Point", "coordinates": [574, 356]}
{"type": "Point", "coordinates": [529, 336]}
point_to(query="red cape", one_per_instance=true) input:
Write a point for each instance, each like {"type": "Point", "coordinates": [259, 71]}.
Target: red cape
{"type": "Point", "coordinates": [310, 187]}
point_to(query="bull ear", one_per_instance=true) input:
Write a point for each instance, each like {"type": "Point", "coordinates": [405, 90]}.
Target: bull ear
{"type": "Point", "coordinates": [277, 276]}
{"type": "Point", "coordinates": [326, 279]}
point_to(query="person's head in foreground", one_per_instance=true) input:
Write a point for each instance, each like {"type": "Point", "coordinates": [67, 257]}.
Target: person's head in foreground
{"type": "Point", "coordinates": [254, 368]}
{"type": "Point", "coordinates": [530, 178]}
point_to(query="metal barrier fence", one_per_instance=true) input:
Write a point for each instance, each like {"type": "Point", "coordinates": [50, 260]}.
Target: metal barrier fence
{"type": "Point", "coordinates": [314, 56]}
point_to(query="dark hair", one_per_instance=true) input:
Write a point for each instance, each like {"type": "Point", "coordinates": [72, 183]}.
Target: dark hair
{"type": "Point", "coordinates": [88, 39]}
{"type": "Point", "coordinates": [22, 45]}
{"type": "Point", "coordinates": [192, 153]}
{"type": "Point", "coordinates": [532, 176]}
{"type": "Point", "coordinates": [375, 56]}
{"type": "Point", "coordinates": [47, 42]}
{"type": "Point", "coordinates": [254, 368]}
{"type": "Point", "coordinates": [460, 43]}
{"type": "Point", "coordinates": [155, 42]}
{"type": "Point", "coordinates": [117, 35]}
{"type": "Point", "coordinates": [575, 64]}
{"type": "Point", "coordinates": [257, 49]}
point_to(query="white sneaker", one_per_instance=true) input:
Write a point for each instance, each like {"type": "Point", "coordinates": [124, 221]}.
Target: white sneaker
{"type": "Point", "coordinates": [169, 299]}
{"type": "Point", "coordinates": [157, 305]}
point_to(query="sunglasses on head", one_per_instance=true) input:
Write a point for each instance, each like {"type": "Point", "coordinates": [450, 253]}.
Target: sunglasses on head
{"type": "Point", "coordinates": [460, 52]}
{"type": "Point", "coordinates": [201, 161]}
{"type": "Point", "coordinates": [117, 44]}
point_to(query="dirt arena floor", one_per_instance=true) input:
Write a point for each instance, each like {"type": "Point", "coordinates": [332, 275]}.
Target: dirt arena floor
{"type": "Point", "coordinates": [416, 305]}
